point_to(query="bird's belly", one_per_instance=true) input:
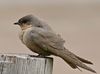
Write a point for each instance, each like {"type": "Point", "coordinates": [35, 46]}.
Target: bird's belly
{"type": "Point", "coordinates": [32, 46]}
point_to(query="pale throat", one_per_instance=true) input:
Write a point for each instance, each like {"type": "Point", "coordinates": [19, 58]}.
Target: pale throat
{"type": "Point", "coordinates": [25, 26]}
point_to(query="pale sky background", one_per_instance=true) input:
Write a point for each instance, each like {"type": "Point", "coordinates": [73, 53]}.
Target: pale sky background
{"type": "Point", "coordinates": [78, 22]}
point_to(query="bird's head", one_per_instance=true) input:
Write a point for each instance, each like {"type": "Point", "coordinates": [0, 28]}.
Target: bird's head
{"type": "Point", "coordinates": [25, 22]}
{"type": "Point", "coordinates": [31, 21]}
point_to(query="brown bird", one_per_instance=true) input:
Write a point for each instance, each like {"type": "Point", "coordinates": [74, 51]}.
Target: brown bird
{"type": "Point", "coordinates": [40, 38]}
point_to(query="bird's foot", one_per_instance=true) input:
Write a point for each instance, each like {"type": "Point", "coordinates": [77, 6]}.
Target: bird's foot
{"type": "Point", "coordinates": [40, 56]}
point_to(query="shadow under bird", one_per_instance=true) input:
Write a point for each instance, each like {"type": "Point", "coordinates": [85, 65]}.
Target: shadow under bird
{"type": "Point", "coordinates": [40, 38]}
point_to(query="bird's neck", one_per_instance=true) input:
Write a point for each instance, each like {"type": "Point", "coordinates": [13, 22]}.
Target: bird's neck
{"type": "Point", "coordinates": [25, 26]}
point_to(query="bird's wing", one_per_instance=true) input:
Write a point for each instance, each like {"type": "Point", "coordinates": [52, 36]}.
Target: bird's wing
{"type": "Point", "coordinates": [45, 39]}
{"type": "Point", "coordinates": [53, 43]}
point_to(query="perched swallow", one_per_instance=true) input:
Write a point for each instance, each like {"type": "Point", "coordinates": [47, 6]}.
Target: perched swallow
{"type": "Point", "coordinates": [40, 38]}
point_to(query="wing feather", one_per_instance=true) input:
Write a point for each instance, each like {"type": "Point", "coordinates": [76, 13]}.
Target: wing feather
{"type": "Point", "coordinates": [47, 38]}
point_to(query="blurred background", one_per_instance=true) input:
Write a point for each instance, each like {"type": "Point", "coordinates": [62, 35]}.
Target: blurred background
{"type": "Point", "coordinates": [78, 22]}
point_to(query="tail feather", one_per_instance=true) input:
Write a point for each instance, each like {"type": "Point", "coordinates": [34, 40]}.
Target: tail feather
{"type": "Point", "coordinates": [84, 60]}
{"type": "Point", "coordinates": [75, 61]}
{"type": "Point", "coordinates": [71, 64]}
{"type": "Point", "coordinates": [81, 59]}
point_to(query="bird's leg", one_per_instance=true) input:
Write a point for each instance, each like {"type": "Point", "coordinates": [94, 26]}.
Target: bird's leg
{"type": "Point", "coordinates": [33, 55]}
{"type": "Point", "coordinates": [41, 56]}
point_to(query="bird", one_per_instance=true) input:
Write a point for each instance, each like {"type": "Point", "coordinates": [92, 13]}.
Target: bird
{"type": "Point", "coordinates": [40, 38]}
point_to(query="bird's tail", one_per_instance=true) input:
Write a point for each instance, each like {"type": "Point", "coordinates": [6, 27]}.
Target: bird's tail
{"type": "Point", "coordinates": [74, 61]}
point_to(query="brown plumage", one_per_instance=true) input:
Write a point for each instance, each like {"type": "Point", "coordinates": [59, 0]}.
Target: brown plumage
{"type": "Point", "coordinates": [40, 38]}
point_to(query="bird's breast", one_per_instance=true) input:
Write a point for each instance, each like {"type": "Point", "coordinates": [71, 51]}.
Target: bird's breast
{"type": "Point", "coordinates": [27, 40]}
{"type": "Point", "coordinates": [26, 37]}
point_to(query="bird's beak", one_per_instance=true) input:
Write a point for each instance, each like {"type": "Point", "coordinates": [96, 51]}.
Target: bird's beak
{"type": "Point", "coordinates": [17, 23]}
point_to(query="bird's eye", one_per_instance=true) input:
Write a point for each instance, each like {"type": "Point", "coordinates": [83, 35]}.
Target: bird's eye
{"type": "Point", "coordinates": [25, 21]}
{"type": "Point", "coordinates": [39, 26]}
